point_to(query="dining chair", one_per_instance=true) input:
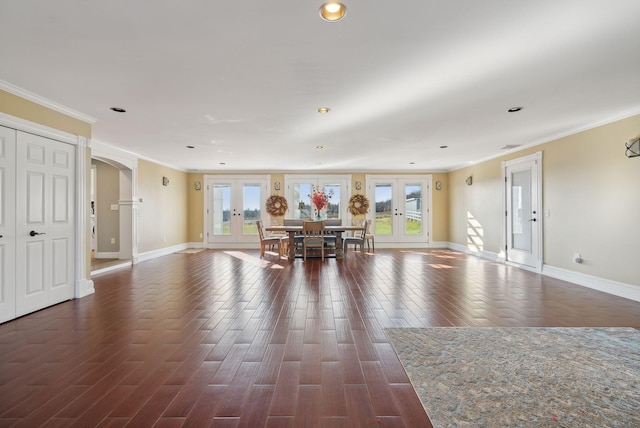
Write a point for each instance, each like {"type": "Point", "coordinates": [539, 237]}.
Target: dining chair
{"type": "Point", "coordinates": [272, 241]}
{"type": "Point", "coordinates": [313, 237]}
{"type": "Point", "coordinates": [368, 236]}
{"type": "Point", "coordinates": [357, 239]}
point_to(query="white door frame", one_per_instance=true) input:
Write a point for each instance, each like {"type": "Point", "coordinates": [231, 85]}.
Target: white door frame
{"type": "Point", "coordinates": [234, 241]}
{"type": "Point", "coordinates": [536, 205]}
{"type": "Point", "coordinates": [83, 283]}
{"type": "Point", "coordinates": [404, 241]}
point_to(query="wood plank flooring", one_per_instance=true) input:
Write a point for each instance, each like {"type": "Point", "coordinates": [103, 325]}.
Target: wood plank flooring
{"type": "Point", "coordinates": [225, 339]}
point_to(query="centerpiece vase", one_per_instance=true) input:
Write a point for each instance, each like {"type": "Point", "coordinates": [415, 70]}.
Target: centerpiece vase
{"type": "Point", "coordinates": [318, 216]}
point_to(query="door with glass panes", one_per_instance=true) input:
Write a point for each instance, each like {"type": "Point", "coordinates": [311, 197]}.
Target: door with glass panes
{"type": "Point", "coordinates": [232, 207]}
{"type": "Point", "coordinates": [299, 188]}
{"type": "Point", "coordinates": [399, 208]}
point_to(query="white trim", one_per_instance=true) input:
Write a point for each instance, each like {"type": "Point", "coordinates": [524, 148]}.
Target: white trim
{"type": "Point", "coordinates": [125, 263]}
{"type": "Point", "coordinates": [537, 159]}
{"type": "Point", "coordinates": [620, 289]}
{"type": "Point", "coordinates": [37, 129]}
{"type": "Point", "coordinates": [621, 116]}
{"type": "Point", "coordinates": [30, 96]}
{"type": "Point", "coordinates": [486, 255]}
{"type": "Point", "coordinates": [106, 255]}
{"type": "Point", "coordinates": [83, 285]}
{"type": "Point", "coordinates": [161, 252]}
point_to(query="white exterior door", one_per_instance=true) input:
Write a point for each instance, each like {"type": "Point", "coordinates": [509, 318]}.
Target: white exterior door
{"type": "Point", "coordinates": [523, 216]}
{"type": "Point", "coordinates": [399, 208]}
{"type": "Point", "coordinates": [233, 205]}
{"type": "Point", "coordinates": [7, 223]}
{"type": "Point", "coordinates": [45, 222]}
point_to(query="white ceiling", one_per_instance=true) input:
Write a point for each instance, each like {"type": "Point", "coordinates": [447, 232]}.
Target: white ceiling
{"type": "Point", "coordinates": [241, 80]}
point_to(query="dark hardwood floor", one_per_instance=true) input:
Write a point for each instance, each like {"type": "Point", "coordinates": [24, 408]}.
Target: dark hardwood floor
{"type": "Point", "coordinates": [222, 338]}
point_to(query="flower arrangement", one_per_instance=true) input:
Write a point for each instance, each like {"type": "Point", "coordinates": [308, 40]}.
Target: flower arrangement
{"type": "Point", "coordinates": [319, 199]}
{"type": "Point", "coordinates": [358, 205]}
{"type": "Point", "coordinates": [277, 205]}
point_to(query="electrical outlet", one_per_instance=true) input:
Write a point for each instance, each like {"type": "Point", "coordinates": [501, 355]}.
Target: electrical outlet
{"type": "Point", "coordinates": [201, 236]}
{"type": "Point", "coordinates": [113, 241]}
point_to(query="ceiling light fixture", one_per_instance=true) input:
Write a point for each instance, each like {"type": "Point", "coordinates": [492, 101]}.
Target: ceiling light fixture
{"type": "Point", "coordinates": [118, 109]}
{"type": "Point", "coordinates": [333, 11]}
{"type": "Point", "coordinates": [323, 110]}
{"type": "Point", "coordinates": [514, 109]}
{"type": "Point", "coordinates": [319, 147]}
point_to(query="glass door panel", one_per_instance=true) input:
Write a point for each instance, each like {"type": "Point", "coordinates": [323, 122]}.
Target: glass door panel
{"type": "Point", "coordinates": [232, 208]}
{"type": "Point", "coordinates": [251, 209]}
{"type": "Point", "coordinates": [413, 209]}
{"type": "Point", "coordinates": [383, 221]}
{"type": "Point", "coordinates": [221, 209]}
{"type": "Point", "coordinates": [400, 208]}
{"type": "Point", "coordinates": [521, 210]}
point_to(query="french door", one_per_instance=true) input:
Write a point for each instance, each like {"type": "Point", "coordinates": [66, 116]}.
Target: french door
{"type": "Point", "coordinates": [523, 217]}
{"type": "Point", "coordinates": [400, 206]}
{"type": "Point", "coordinates": [298, 190]}
{"type": "Point", "coordinates": [233, 205]}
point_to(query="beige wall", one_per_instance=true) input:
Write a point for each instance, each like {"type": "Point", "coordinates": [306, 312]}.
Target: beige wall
{"type": "Point", "coordinates": [163, 212]}
{"type": "Point", "coordinates": [107, 194]}
{"type": "Point", "coordinates": [439, 209]}
{"type": "Point", "coordinates": [196, 207]}
{"type": "Point", "coordinates": [24, 109]}
{"type": "Point", "coordinates": [591, 190]}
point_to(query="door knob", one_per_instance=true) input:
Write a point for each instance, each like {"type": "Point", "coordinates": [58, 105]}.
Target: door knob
{"type": "Point", "coordinates": [34, 233]}
{"type": "Point", "coordinates": [533, 219]}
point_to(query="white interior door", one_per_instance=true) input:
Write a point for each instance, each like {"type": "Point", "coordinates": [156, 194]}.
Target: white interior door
{"type": "Point", "coordinates": [45, 222]}
{"type": "Point", "coordinates": [400, 208]}
{"type": "Point", "coordinates": [233, 205]}
{"type": "Point", "coordinates": [523, 216]}
{"type": "Point", "coordinates": [7, 223]}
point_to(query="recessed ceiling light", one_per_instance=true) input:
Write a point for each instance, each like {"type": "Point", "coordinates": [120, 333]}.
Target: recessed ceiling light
{"type": "Point", "coordinates": [324, 109]}
{"type": "Point", "coordinates": [333, 11]}
{"type": "Point", "coordinates": [412, 163]}
{"type": "Point", "coordinates": [191, 147]}
{"type": "Point", "coordinates": [444, 147]}
{"type": "Point", "coordinates": [319, 147]}
{"type": "Point", "coordinates": [118, 109]}
{"type": "Point", "coordinates": [223, 163]}
{"type": "Point", "coordinates": [514, 109]}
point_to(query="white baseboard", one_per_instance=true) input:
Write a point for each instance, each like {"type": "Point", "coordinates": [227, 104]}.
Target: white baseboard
{"type": "Point", "coordinates": [160, 252]}
{"type": "Point", "coordinates": [620, 289]}
{"type": "Point", "coordinates": [84, 287]}
{"type": "Point", "coordinates": [487, 255]}
{"type": "Point", "coordinates": [615, 288]}
{"type": "Point", "coordinates": [106, 255]}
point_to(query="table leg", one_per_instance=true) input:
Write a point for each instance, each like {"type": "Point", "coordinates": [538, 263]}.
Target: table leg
{"type": "Point", "coordinates": [339, 248]}
{"type": "Point", "coordinates": [292, 245]}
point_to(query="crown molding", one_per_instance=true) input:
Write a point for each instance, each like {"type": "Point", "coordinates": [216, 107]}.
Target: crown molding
{"type": "Point", "coordinates": [30, 96]}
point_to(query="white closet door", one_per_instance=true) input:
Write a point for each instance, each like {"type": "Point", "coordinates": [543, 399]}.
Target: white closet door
{"type": "Point", "coordinates": [7, 223]}
{"type": "Point", "coordinates": [45, 207]}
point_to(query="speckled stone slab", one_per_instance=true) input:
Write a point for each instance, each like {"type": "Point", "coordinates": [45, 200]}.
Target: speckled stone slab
{"type": "Point", "coordinates": [524, 377]}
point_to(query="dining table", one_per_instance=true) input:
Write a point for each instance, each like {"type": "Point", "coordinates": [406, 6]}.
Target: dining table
{"type": "Point", "coordinates": [293, 230]}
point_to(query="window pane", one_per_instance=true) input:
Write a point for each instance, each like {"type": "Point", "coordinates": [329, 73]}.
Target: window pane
{"type": "Point", "coordinates": [222, 209]}
{"type": "Point", "coordinates": [383, 220]}
{"type": "Point", "coordinates": [251, 208]}
{"type": "Point", "coordinates": [413, 209]}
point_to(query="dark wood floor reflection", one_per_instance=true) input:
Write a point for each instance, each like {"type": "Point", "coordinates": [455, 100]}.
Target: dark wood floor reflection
{"type": "Point", "coordinates": [222, 338]}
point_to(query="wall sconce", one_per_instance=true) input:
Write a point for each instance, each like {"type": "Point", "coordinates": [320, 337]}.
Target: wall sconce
{"type": "Point", "coordinates": [632, 148]}
{"type": "Point", "coordinates": [469, 180]}
{"type": "Point", "coordinates": [301, 205]}
{"type": "Point", "coordinates": [165, 181]}
{"type": "Point", "coordinates": [438, 185]}
{"type": "Point", "coordinates": [276, 185]}
{"type": "Point", "coordinates": [358, 185]}
{"type": "Point", "coordinates": [197, 185]}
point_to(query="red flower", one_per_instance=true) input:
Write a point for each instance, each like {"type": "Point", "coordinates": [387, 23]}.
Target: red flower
{"type": "Point", "coordinates": [319, 199]}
